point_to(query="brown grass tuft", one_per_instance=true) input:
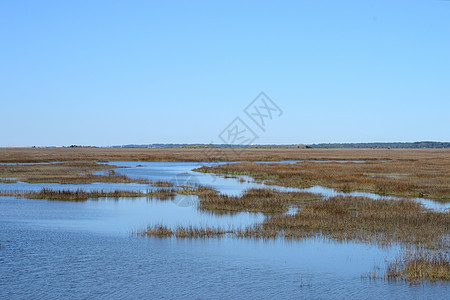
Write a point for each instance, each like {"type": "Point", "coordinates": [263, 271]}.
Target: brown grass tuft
{"type": "Point", "coordinates": [80, 195]}
{"type": "Point", "coordinates": [255, 200]}
{"type": "Point", "coordinates": [419, 265]}
{"type": "Point", "coordinates": [65, 173]}
{"type": "Point", "coordinates": [421, 177]}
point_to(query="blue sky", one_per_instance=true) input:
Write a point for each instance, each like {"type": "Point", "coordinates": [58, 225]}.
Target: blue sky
{"type": "Point", "coordinates": [119, 72]}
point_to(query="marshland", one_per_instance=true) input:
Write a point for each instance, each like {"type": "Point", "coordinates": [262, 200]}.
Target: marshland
{"type": "Point", "coordinates": [233, 218]}
{"type": "Point", "coordinates": [81, 195]}
{"type": "Point", "coordinates": [427, 177]}
{"type": "Point", "coordinates": [224, 149]}
{"type": "Point", "coordinates": [64, 173]}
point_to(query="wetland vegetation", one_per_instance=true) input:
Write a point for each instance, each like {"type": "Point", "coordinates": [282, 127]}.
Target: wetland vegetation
{"type": "Point", "coordinates": [425, 178]}
{"type": "Point", "coordinates": [65, 173]}
{"type": "Point", "coordinates": [162, 231]}
{"type": "Point", "coordinates": [33, 155]}
{"type": "Point", "coordinates": [416, 266]}
{"type": "Point", "coordinates": [268, 201]}
{"type": "Point", "coordinates": [81, 195]}
{"type": "Point", "coordinates": [423, 234]}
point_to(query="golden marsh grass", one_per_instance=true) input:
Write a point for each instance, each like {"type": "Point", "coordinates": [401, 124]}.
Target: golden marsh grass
{"type": "Point", "coordinates": [66, 173]}
{"type": "Point", "coordinates": [81, 195]}
{"type": "Point", "coordinates": [28, 155]}
{"type": "Point", "coordinates": [419, 265]}
{"type": "Point", "coordinates": [427, 177]}
{"type": "Point", "coordinates": [267, 201]}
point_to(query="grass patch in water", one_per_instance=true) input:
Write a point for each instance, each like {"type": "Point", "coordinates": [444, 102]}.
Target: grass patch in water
{"type": "Point", "coordinates": [66, 173]}
{"type": "Point", "coordinates": [80, 195]}
{"type": "Point", "coordinates": [267, 201]}
{"type": "Point", "coordinates": [184, 232]}
{"type": "Point", "coordinates": [161, 183]}
{"type": "Point", "coordinates": [427, 177]}
{"type": "Point", "coordinates": [360, 219]}
{"type": "Point", "coordinates": [198, 190]}
{"type": "Point", "coordinates": [419, 265]}
{"type": "Point", "coordinates": [364, 219]}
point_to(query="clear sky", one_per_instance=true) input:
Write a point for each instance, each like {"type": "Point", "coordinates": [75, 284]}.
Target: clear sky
{"type": "Point", "coordinates": [120, 72]}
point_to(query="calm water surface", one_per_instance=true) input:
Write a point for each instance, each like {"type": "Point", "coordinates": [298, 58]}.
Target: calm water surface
{"type": "Point", "coordinates": [54, 249]}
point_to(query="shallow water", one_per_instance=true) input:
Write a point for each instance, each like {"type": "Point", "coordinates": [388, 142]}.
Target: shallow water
{"type": "Point", "coordinates": [56, 249]}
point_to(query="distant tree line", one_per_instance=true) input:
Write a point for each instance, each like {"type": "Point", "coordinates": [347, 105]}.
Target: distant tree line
{"type": "Point", "coordinates": [398, 145]}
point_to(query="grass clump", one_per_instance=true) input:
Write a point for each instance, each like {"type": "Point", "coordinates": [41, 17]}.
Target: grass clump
{"type": "Point", "coordinates": [184, 232]}
{"type": "Point", "coordinates": [199, 232]}
{"type": "Point", "coordinates": [161, 183]}
{"type": "Point", "coordinates": [381, 222]}
{"type": "Point", "coordinates": [268, 201]}
{"type": "Point", "coordinates": [364, 219]}
{"type": "Point", "coordinates": [421, 177]}
{"type": "Point", "coordinates": [419, 265]}
{"type": "Point", "coordinates": [157, 231]}
{"type": "Point", "coordinates": [198, 190]}
{"type": "Point", "coordinates": [66, 173]}
{"type": "Point", "coordinates": [81, 195]}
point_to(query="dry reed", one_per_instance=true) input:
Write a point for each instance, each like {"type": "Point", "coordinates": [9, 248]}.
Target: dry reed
{"type": "Point", "coordinates": [80, 195]}
{"type": "Point", "coordinates": [428, 178]}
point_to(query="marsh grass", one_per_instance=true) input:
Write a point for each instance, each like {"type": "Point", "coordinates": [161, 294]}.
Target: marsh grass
{"type": "Point", "coordinates": [267, 201]}
{"type": "Point", "coordinates": [198, 190]}
{"type": "Point", "coordinates": [199, 232]}
{"type": "Point", "coordinates": [66, 173]}
{"type": "Point", "coordinates": [157, 231]}
{"type": "Point", "coordinates": [419, 265]}
{"type": "Point", "coordinates": [80, 195]}
{"type": "Point", "coordinates": [363, 219]}
{"type": "Point", "coordinates": [161, 183]}
{"type": "Point", "coordinates": [29, 155]}
{"type": "Point", "coordinates": [344, 219]}
{"type": "Point", "coordinates": [8, 180]}
{"type": "Point", "coordinates": [184, 232]}
{"type": "Point", "coordinates": [381, 222]}
{"type": "Point", "coordinates": [161, 194]}
{"type": "Point", "coordinates": [425, 177]}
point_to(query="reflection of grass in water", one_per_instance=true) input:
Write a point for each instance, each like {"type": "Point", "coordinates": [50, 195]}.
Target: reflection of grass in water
{"type": "Point", "coordinates": [80, 195]}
